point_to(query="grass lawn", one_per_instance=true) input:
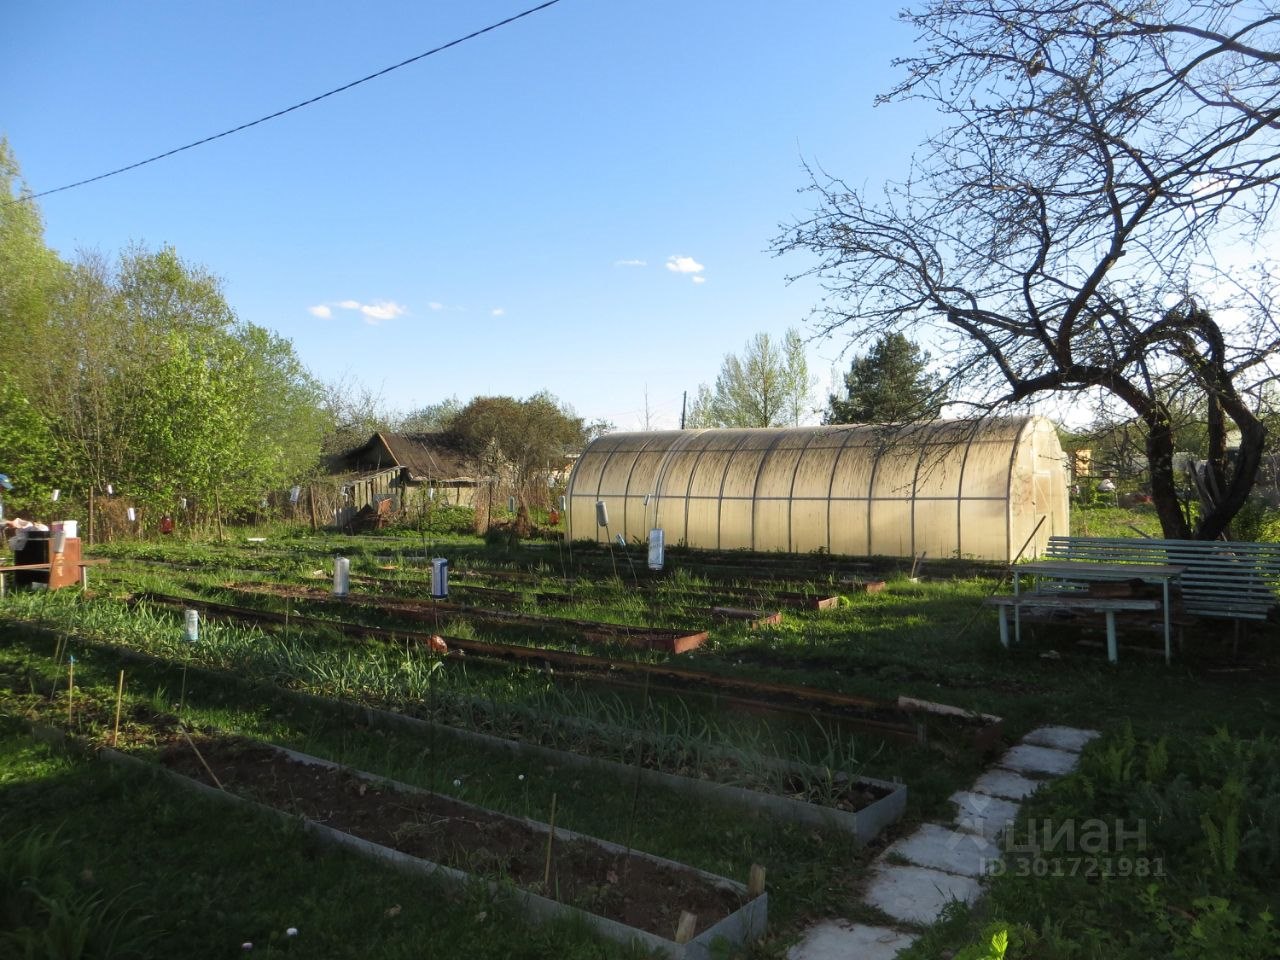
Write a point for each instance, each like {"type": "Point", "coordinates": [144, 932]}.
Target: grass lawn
{"type": "Point", "coordinates": [211, 882]}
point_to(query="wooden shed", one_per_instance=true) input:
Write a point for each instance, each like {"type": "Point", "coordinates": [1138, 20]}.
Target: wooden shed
{"type": "Point", "coordinates": [405, 467]}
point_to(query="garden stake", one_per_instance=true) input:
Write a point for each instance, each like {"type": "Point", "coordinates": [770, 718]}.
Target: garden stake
{"type": "Point", "coordinates": [635, 790]}
{"type": "Point", "coordinates": [71, 687]}
{"type": "Point", "coordinates": [551, 835]}
{"type": "Point", "coordinates": [1003, 577]}
{"type": "Point", "coordinates": [191, 743]}
{"type": "Point", "coordinates": [688, 923]}
{"type": "Point", "coordinates": [755, 881]}
{"type": "Point", "coordinates": [115, 734]}
{"type": "Point", "coordinates": [59, 647]}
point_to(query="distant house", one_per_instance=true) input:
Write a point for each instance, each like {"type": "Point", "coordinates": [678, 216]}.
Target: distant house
{"type": "Point", "coordinates": [406, 468]}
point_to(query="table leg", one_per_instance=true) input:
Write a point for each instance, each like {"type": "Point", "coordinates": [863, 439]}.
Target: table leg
{"type": "Point", "coordinates": [1004, 627]}
{"type": "Point", "coordinates": [1168, 649]}
{"type": "Point", "coordinates": [1017, 617]}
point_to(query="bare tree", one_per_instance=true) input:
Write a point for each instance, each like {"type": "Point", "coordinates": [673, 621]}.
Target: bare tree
{"type": "Point", "coordinates": [1077, 225]}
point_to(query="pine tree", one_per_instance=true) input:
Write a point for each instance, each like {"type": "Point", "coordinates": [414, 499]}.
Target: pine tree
{"type": "Point", "coordinates": [888, 385]}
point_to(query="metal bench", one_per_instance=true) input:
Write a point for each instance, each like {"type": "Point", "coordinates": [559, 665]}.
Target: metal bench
{"type": "Point", "coordinates": [1229, 579]}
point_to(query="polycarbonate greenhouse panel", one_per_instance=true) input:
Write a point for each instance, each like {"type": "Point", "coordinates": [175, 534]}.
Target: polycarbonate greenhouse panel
{"type": "Point", "coordinates": [977, 489]}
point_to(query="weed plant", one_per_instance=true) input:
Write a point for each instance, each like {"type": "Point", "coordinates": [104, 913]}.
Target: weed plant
{"type": "Point", "coordinates": [1181, 862]}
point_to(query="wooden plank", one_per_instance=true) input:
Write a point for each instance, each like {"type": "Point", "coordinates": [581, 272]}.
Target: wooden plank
{"type": "Point", "coordinates": [753, 618]}
{"type": "Point", "coordinates": [1060, 601]}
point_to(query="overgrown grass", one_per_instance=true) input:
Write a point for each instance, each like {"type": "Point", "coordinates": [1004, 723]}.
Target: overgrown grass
{"type": "Point", "coordinates": [932, 639]}
{"type": "Point", "coordinates": [181, 875]}
{"type": "Point", "coordinates": [1164, 847]}
{"type": "Point", "coordinates": [810, 871]}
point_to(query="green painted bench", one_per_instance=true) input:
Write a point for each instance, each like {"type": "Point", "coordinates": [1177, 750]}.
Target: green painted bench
{"type": "Point", "coordinates": [1229, 579]}
{"type": "Point", "coordinates": [1069, 602]}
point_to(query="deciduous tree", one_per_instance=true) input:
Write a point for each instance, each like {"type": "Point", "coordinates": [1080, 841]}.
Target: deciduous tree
{"type": "Point", "coordinates": [527, 439]}
{"type": "Point", "coordinates": [768, 386]}
{"type": "Point", "coordinates": [1073, 229]}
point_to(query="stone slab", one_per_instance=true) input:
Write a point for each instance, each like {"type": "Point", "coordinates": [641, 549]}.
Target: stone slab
{"type": "Point", "coordinates": [917, 894]}
{"type": "Point", "coordinates": [942, 848]}
{"type": "Point", "coordinates": [1029, 759]}
{"type": "Point", "coordinates": [999, 782]}
{"type": "Point", "coordinates": [1061, 738]}
{"type": "Point", "coordinates": [983, 814]}
{"type": "Point", "coordinates": [842, 940]}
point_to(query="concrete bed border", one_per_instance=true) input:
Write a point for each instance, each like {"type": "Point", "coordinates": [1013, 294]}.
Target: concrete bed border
{"type": "Point", "coordinates": [864, 824]}
{"type": "Point", "coordinates": [744, 925]}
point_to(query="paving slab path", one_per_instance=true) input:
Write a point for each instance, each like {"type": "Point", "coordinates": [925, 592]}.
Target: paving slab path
{"type": "Point", "coordinates": [915, 878]}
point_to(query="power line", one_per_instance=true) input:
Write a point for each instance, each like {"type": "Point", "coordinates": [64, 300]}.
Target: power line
{"type": "Point", "coordinates": [296, 106]}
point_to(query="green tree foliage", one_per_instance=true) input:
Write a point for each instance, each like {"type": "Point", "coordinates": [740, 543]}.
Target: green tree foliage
{"type": "Point", "coordinates": [891, 384]}
{"type": "Point", "coordinates": [433, 418]}
{"type": "Point", "coordinates": [137, 372]}
{"type": "Point", "coordinates": [526, 439]}
{"type": "Point", "coordinates": [768, 386]}
{"type": "Point", "coordinates": [29, 271]}
{"type": "Point", "coordinates": [26, 451]}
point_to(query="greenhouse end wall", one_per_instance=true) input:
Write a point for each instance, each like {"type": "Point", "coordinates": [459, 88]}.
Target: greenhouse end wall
{"type": "Point", "coordinates": [977, 489]}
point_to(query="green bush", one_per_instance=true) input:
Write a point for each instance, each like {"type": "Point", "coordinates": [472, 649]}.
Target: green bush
{"type": "Point", "coordinates": [1257, 522]}
{"type": "Point", "coordinates": [441, 520]}
{"type": "Point", "coordinates": [1195, 877]}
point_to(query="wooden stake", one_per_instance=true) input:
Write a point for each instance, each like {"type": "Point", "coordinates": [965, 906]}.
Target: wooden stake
{"type": "Point", "coordinates": [115, 734]}
{"type": "Point", "coordinates": [551, 835]}
{"type": "Point", "coordinates": [217, 510]}
{"type": "Point", "coordinates": [688, 924]}
{"type": "Point", "coordinates": [209, 770]}
{"type": "Point", "coordinates": [311, 502]}
{"type": "Point", "coordinates": [71, 687]}
{"type": "Point", "coordinates": [755, 881]}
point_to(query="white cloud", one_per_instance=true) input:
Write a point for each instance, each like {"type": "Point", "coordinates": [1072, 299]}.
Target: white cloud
{"type": "Point", "coordinates": [630, 263]}
{"type": "Point", "coordinates": [678, 263]}
{"type": "Point", "coordinates": [497, 312]}
{"type": "Point", "coordinates": [373, 313]}
{"type": "Point", "coordinates": [436, 305]}
{"type": "Point", "coordinates": [383, 310]}
{"type": "Point", "coordinates": [698, 279]}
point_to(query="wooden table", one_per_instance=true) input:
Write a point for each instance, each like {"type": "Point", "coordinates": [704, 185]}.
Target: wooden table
{"type": "Point", "coordinates": [82, 565]}
{"type": "Point", "coordinates": [1080, 571]}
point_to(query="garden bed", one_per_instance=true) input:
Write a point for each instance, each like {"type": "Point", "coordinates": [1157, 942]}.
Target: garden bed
{"type": "Point", "coordinates": [648, 638]}
{"type": "Point", "coordinates": [812, 796]}
{"type": "Point", "coordinates": [626, 895]}
{"type": "Point", "coordinates": [954, 726]}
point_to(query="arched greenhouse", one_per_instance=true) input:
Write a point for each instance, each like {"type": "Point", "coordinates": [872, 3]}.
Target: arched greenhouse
{"type": "Point", "coordinates": [956, 488]}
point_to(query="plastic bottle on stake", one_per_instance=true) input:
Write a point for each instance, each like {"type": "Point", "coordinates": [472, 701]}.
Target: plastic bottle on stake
{"type": "Point", "coordinates": [341, 577]}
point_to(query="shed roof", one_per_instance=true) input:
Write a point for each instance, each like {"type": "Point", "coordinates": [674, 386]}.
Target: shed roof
{"type": "Point", "coordinates": [427, 456]}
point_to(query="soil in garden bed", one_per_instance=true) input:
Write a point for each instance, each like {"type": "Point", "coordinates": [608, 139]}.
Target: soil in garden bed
{"type": "Point", "coordinates": [630, 889]}
{"type": "Point", "coordinates": [590, 631]}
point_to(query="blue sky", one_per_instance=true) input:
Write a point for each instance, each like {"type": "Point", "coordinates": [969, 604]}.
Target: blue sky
{"type": "Point", "coordinates": [581, 201]}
